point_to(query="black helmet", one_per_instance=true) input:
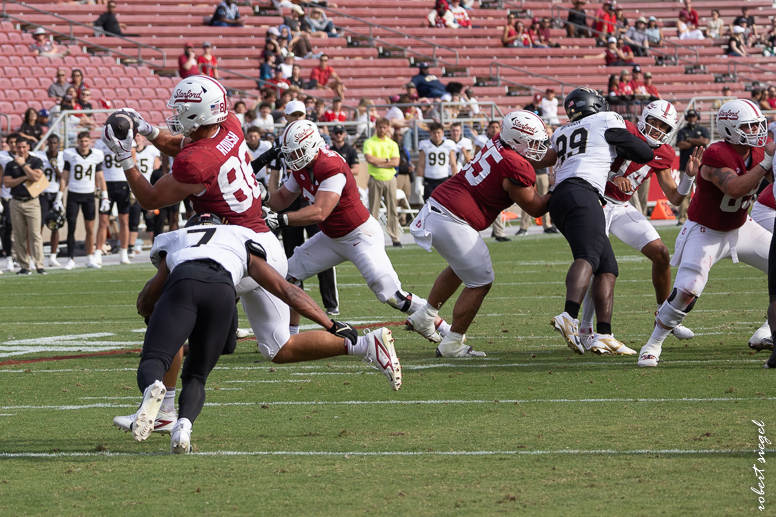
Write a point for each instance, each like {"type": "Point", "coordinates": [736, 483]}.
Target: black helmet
{"type": "Point", "coordinates": [202, 219]}
{"type": "Point", "coordinates": [55, 220]}
{"type": "Point", "coordinates": [582, 102]}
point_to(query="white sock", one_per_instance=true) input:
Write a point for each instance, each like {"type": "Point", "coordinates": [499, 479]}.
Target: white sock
{"type": "Point", "coordinates": [455, 337]}
{"type": "Point", "coordinates": [429, 312]}
{"type": "Point", "coordinates": [97, 255]}
{"type": "Point", "coordinates": [584, 325]}
{"type": "Point", "coordinates": [444, 328]}
{"type": "Point", "coordinates": [124, 254]}
{"type": "Point", "coordinates": [416, 303]}
{"type": "Point", "coordinates": [293, 329]}
{"type": "Point", "coordinates": [359, 349]}
{"type": "Point", "coordinates": [168, 404]}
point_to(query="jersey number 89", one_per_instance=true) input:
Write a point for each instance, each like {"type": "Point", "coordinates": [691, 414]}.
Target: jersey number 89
{"type": "Point", "coordinates": [576, 144]}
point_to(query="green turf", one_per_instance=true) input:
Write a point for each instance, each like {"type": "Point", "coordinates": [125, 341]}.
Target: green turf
{"type": "Point", "coordinates": [547, 432]}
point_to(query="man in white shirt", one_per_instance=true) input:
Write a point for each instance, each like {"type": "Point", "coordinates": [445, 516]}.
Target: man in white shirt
{"type": "Point", "coordinates": [549, 106]}
{"type": "Point", "coordinates": [464, 149]}
{"type": "Point", "coordinates": [53, 162]}
{"type": "Point", "coordinates": [436, 161]}
{"type": "Point", "coordinates": [257, 147]}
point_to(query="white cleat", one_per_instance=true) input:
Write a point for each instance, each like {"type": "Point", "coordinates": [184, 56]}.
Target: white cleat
{"type": "Point", "coordinates": [451, 348]}
{"type": "Point", "coordinates": [53, 262]}
{"type": "Point", "coordinates": [682, 332]}
{"type": "Point", "coordinates": [761, 339]}
{"type": "Point", "coordinates": [423, 326]}
{"type": "Point", "coordinates": [648, 361]}
{"type": "Point", "coordinates": [604, 344]}
{"type": "Point", "coordinates": [70, 264]}
{"type": "Point", "coordinates": [381, 354]}
{"type": "Point", "coordinates": [587, 337]}
{"type": "Point", "coordinates": [145, 417]}
{"type": "Point", "coordinates": [242, 333]}
{"type": "Point", "coordinates": [9, 265]}
{"type": "Point", "coordinates": [165, 420]}
{"type": "Point", "coordinates": [569, 329]}
{"type": "Point", "coordinates": [180, 440]}
{"type": "Point", "coordinates": [90, 263]}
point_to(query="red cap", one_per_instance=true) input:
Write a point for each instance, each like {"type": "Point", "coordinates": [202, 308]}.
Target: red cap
{"type": "Point", "coordinates": [188, 44]}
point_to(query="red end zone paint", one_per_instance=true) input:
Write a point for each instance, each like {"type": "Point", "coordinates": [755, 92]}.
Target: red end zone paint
{"type": "Point", "coordinates": [63, 357]}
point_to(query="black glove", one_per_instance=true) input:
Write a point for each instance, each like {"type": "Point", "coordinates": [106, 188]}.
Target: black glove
{"type": "Point", "coordinates": [265, 158]}
{"type": "Point", "coordinates": [344, 330]}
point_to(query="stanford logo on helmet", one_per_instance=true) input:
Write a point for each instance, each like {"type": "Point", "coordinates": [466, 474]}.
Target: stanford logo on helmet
{"type": "Point", "coordinates": [187, 96]}
{"type": "Point", "coordinates": [727, 115]}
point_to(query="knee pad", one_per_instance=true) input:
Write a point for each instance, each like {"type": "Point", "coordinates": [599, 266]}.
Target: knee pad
{"type": "Point", "coordinates": [386, 288]}
{"type": "Point", "coordinates": [266, 352]}
{"type": "Point", "coordinates": [400, 300]}
{"type": "Point", "coordinates": [682, 301]}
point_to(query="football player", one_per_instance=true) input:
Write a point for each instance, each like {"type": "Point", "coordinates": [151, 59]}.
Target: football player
{"type": "Point", "coordinates": [498, 176]}
{"type": "Point", "coordinates": [582, 152]}
{"type": "Point", "coordinates": [656, 126]}
{"type": "Point", "coordinates": [764, 209]}
{"type": "Point", "coordinates": [464, 148]}
{"type": "Point", "coordinates": [118, 193]}
{"type": "Point", "coordinates": [198, 269]}
{"type": "Point", "coordinates": [718, 225]}
{"type": "Point", "coordinates": [53, 163]}
{"type": "Point", "coordinates": [436, 162]}
{"type": "Point", "coordinates": [81, 174]}
{"type": "Point", "coordinates": [148, 160]}
{"type": "Point", "coordinates": [480, 141]}
{"type": "Point", "coordinates": [212, 167]}
{"type": "Point", "coordinates": [348, 231]}
{"type": "Point", "coordinates": [257, 147]}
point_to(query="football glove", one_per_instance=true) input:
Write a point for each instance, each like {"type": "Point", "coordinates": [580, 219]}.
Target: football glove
{"type": "Point", "coordinates": [264, 193]}
{"type": "Point", "coordinates": [58, 206]}
{"type": "Point", "coordinates": [143, 127]}
{"type": "Point", "coordinates": [419, 188]}
{"type": "Point", "coordinates": [276, 221]}
{"type": "Point", "coordinates": [344, 330]}
{"type": "Point", "coordinates": [104, 203]}
{"type": "Point", "coordinates": [121, 148]}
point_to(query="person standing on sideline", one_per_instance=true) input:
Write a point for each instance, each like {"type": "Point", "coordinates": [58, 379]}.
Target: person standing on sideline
{"type": "Point", "coordinates": [382, 157]}
{"type": "Point", "coordinates": [53, 163]}
{"type": "Point", "coordinates": [692, 135]}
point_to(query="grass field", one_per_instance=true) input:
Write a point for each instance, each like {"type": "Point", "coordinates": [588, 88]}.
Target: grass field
{"type": "Point", "coordinates": [531, 429]}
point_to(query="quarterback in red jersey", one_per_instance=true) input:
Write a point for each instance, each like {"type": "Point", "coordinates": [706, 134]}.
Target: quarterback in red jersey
{"type": "Point", "coordinates": [656, 125]}
{"type": "Point", "coordinates": [469, 202]}
{"type": "Point", "coordinates": [718, 225]}
{"type": "Point", "coordinates": [348, 232]}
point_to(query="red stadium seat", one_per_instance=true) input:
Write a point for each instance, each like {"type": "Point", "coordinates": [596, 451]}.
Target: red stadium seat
{"type": "Point", "coordinates": [32, 82]}
{"type": "Point", "coordinates": [108, 61]}
{"type": "Point", "coordinates": [83, 60]}
{"type": "Point", "coordinates": [38, 72]}
{"type": "Point", "coordinates": [122, 93]}
{"type": "Point", "coordinates": [131, 71]}
{"type": "Point", "coordinates": [91, 72]}
{"type": "Point", "coordinates": [146, 105]}
{"type": "Point", "coordinates": [69, 61]}
{"type": "Point", "coordinates": [16, 120]}
{"type": "Point", "coordinates": [3, 37]}
{"type": "Point", "coordinates": [24, 71]}
{"type": "Point", "coordinates": [132, 103]}
{"type": "Point", "coordinates": [136, 93]}
{"type": "Point", "coordinates": [6, 107]}
{"type": "Point", "coordinates": [153, 81]}
{"type": "Point", "coordinates": [19, 106]}
{"type": "Point", "coordinates": [17, 82]}
{"type": "Point", "coordinates": [4, 61]}
{"type": "Point", "coordinates": [159, 105]}
{"type": "Point", "coordinates": [98, 82]}
{"type": "Point", "coordinates": [16, 60]}
{"type": "Point", "coordinates": [139, 81]}
{"type": "Point", "coordinates": [112, 82]}
{"type": "Point", "coordinates": [163, 93]}
{"type": "Point", "coordinates": [26, 94]}
{"type": "Point", "coordinates": [41, 93]}
{"type": "Point", "coordinates": [56, 61]}
{"type": "Point", "coordinates": [157, 117]}
{"type": "Point", "coordinates": [12, 95]}
{"type": "Point", "coordinates": [149, 93]}
{"type": "Point", "coordinates": [108, 94]}
{"type": "Point", "coordinates": [11, 71]}
{"type": "Point", "coordinates": [21, 50]}
{"type": "Point", "coordinates": [35, 104]}
{"type": "Point", "coordinates": [117, 71]}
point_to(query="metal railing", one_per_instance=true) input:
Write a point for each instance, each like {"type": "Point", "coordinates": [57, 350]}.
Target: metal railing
{"type": "Point", "coordinates": [7, 124]}
{"type": "Point", "coordinates": [373, 38]}
{"type": "Point", "coordinates": [736, 75]}
{"type": "Point", "coordinates": [62, 120]}
{"type": "Point", "coordinates": [556, 12]}
{"type": "Point", "coordinates": [72, 37]}
{"type": "Point", "coordinates": [708, 118]}
{"type": "Point", "coordinates": [500, 79]}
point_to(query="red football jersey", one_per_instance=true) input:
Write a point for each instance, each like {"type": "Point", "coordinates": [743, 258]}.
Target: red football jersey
{"type": "Point", "coordinates": [476, 194]}
{"type": "Point", "coordinates": [766, 198]}
{"type": "Point", "coordinates": [635, 172]}
{"type": "Point", "coordinates": [710, 206]}
{"type": "Point", "coordinates": [223, 165]}
{"type": "Point", "coordinates": [350, 212]}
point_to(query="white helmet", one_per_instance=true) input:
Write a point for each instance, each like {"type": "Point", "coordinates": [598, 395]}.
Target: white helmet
{"type": "Point", "coordinates": [658, 110]}
{"type": "Point", "coordinates": [525, 133]}
{"type": "Point", "coordinates": [196, 101]}
{"type": "Point", "coordinates": [736, 115]}
{"type": "Point", "coordinates": [300, 143]}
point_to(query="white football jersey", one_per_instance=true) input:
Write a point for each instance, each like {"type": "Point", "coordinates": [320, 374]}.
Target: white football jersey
{"type": "Point", "coordinates": [145, 160]}
{"type": "Point", "coordinates": [583, 151]}
{"type": "Point", "coordinates": [437, 158]}
{"type": "Point", "coordinates": [5, 157]}
{"type": "Point", "coordinates": [83, 169]}
{"type": "Point", "coordinates": [480, 141]}
{"type": "Point", "coordinates": [48, 170]}
{"type": "Point", "coordinates": [463, 143]}
{"type": "Point", "coordinates": [110, 165]}
{"type": "Point", "coordinates": [263, 147]}
{"type": "Point", "coordinates": [224, 244]}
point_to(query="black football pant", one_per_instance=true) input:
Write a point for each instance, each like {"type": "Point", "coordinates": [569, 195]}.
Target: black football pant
{"type": "Point", "coordinates": [205, 313]}
{"type": "Point", "coordinates": [6, 227]}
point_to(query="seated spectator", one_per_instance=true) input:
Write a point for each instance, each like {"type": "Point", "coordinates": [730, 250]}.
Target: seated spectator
{"type": "Point", "coordinates": [323, 76]}
{"type": "Point", "coordinates": [606, 23]}
{"type": "Point", "coordinates": [335, 113]}
{"type": "Point", "coordinates": [30, 129]}
{"type": "Point", "coordinates": [637, 84]}
{"type": "Point", "coordinates": [287, 65]}
{"type": "Point", "coordinates": [265, 70]}
{"type": "Point", "coordinates": [577, 21]}
{"type": "Point", "coordinates": [59, 87]}
{"type": "Point", "coordinates": [717, 104]}
{"type": "Point", "coordinates": [760, 97]}
{"type": "Point", "coordinates": [691, 15]}
{"type": "Point", "coordinates": [613, 89]}
{"type": "Point", "coordinates": [298, 40]}
{"type": "Point", "coordinates": [43, 47]}
{"type": "Point", "coordinates": [293, 20]}
{"type": "Point", "coordinates": [616, 53]}
{"type": "Point", "coordinates": [533, 33]}
{"type": "Point", "coordinates": [523, 39]}
{"type": "Point", "coordinates": [651, 88]}
{"type": "Point", "coordinates": [270, 96]}
{"type": "Point", "coordinates": [249, 121]}
{"type": "Point", "coordinates": [636, 38]}
{"type": "Point", "coordinates": [239, 111]}
{"type": "Point", "coordinates": [625, 88]}
{"type": "Point", "coordinates": [207, 62]}
{"type": "Point", "coordinates": [278, 80]}
{"type": "Point", "coordinates": [428, 85]}
{"type": "Point", "coordinates": [270, 47]}
{"type": "Point", "coordinates": [318, 110]}
{"type": "Point", "coordinates": [85, 100]}
{"type": "Point", "coordinates": [109, 22]}
{"type": "Point", "coordinates": [187, 62]}
{"type": "Point", "coordinates": [80, 120]}
{"type": "Point", "coordinates": [621, 22]}
{"type": "Point", "coordinates": [686, 29]}
{"type": "Point", "coordinates": [366, 115]}
{"type": "Point", "coordinates": [771, 98]}
{"type": "Point", "coordinates": [441, 16]}
{"type": "Point", "coordinates": [654, 32]}
{"type": "Point", "coordinates": [715, 25]}
{"type": "Point", "coordinates": [264, 120]}
{"type": "Point", "coordinates": [460, 14]}
{"type": "Point", "coordinates": [549, 106]}
{"type": "Point", "coordinates": [751, 36]}
{"type": "Point", "coordinates": [509, 36]}
{"type": "Point", "coordinates": [769, 40]}
{"type": "Point", "coordinates": [282, 49]}
{"type": "Point", "coordinates": [77, 82]}
{"type": "Point", "coordinates": [736, 42]}
{"type": "Point", "coordinates": [545, 36]}
{"type": "Point", "coordinates": [320, 25]}
{"type": "Point", "coordinates": [411, 91]}
{"type": "Point", "coordinates": [296, 77]}
{"type": "Point", "coordinates": [227, 15]}
{"type": "Point", "coordinates": [535, 106]}
{"type": "Point", "coordinates": [43, 118]}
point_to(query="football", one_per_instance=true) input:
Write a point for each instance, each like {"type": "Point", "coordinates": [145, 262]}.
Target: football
{"type": "Point", "coordinates": [122, 122]}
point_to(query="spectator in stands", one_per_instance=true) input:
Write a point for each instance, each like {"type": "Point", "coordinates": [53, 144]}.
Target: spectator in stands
{"type": "Point", "coordinates": [651, 88]}
{"type": "Point", "coordinates": [691, 15]}
{"type": "Point", "coordinates": [86, 99]}
{"type": "Point", "coordinates": [605, 24]}
{"type": "Point", "coordinates": [382, 156]}
{"type": "Point", "coordinates": [411, 91]}
{"type": "Point", "coordinates": [208, 62]}
{"type": "Point", "coordinates": [239, 111]}
{"type": "Point", "coordinates": [318, 110]}
{"type": "Point", "coordinates": [43, 47]}
{"type": "Point", "coordinates": [625, 87]}
{"type": "Point", "coordinates": [715, 25]}
{"type": "Point", "coordinates": [323, 76]}
{"type": "Point", "coordinates": [686, 29]}
{"type": "Point", "coordinates": [460, 14]}
{"type": "Point", "coordinates": [736, 42]}
{"type": "Point", "coordinates": [320, 25]}
{"type": "Point", "coordinates": [59, 87]}
{"type": "Point", "coordinates": [535, 106]}
{"type": "Point", "coordinates": [109, 22]}
{"type": "Point", "coordinates": [270, 47]}
{"type": "Point", "coordinates": [227, 15]}
{"type": "Point", "coordinates": [77, 82]}
{"type": "Point", "coordinates": [717, 104]}
{"type": "Point", "coordinates": [760, 98]}
{"type": "Point", "coordinates": [428, 85]}
{"type": "Point", "coordinates": [292, 21]}
{"type": "Point", "coordinates": [613, 89]}
{"type": "Point", "coordinates": [616, 53]}
{"type": "Point", "coordinates": [577, 21]}
{"type": "Point", "coordinates": [287, 65]}
{"type": "Point", "coordinates": [43, 118]}
{"type": "Point", "coordinates": [335, 113]}
{"type": "Point", "coordinates": [509, 35]}
{"type": "Point", "coordinates": [549, 106]}
{"type": "Point", "coordinates": [654, 32]}
{"type": "Point", "coordinates": [249, 121]}
{"type": "Point", "coordinates": [187, 62]}
{"type": "Point", "coordinates": [441, 17]}
{"type": "Point", "coordinates": [523, 39]}
{"type": "Point", "coordinates": [296, 77]}
{"type": "Point", "coordinates": [751, 36]}
{"type": "Point", "coordinates": [278, 80]}
{"type": "Point", "coordinates": [30, 129]}
{"type": "Point", "coordinates": [265, 122]}
{"type": "Point", "coordinates": [621, 25]}
{"type": "Point", "coordinates": [81, 121]}
{"type": "Point", "coordinates": [545, 34]}
{"type": "Point", "coordinates": [270, 96]}
{"type": "Point", "coordinates": [772, 97]}
{"type": "Point", "coordinates": [265, 70]}
{"type": "Point", "coordinates": [533, 33]}
{"type": "Point", "coordinates": [637, 39]}
{"type": "Point", "coordinates": [366, 115]}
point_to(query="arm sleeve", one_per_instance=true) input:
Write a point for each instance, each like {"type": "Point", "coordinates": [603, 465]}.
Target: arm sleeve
{"type": "Point", "coordinates": [335, 183]}
{"type": "Point", "coordinates": [265, 158]}
{"type": "Point", "coordinates": [292, 185]}
{"type": "Point", "coordinates": [66, 166]}
{"type": "Point", "coordinates": [629, 146]}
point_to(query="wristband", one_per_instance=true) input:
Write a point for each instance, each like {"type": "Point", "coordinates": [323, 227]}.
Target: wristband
{"type": "Point", "coordinates": [154, 134]}
{"type": "Point", "coordinates": [127, 163]}
{"type": "Point", "coordinates": [103, 194]}
{"type": "Point", "coordinates": [282, 220]}
{"type": "Point", "coordinates": [685, 185]}
{"type": "Point", "coordinates": [767, 162]}
{"type": "Point", "coordinates": [60, 195]}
